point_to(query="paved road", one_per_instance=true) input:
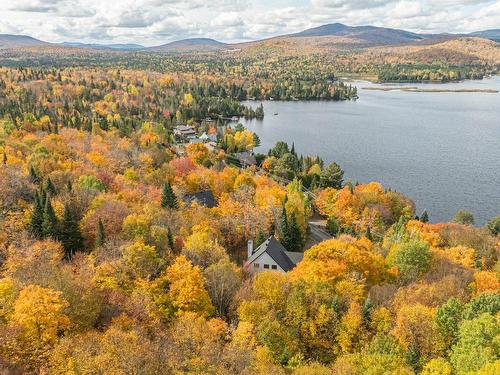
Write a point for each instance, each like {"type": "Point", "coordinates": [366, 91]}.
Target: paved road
{"type": "Point", "coordinates": [317, 233]}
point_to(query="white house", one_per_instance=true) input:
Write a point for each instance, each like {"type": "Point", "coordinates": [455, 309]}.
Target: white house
{"type": "Point", "coordinates": [271, 255]}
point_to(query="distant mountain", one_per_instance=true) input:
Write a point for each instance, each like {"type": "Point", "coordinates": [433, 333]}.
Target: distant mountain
{"type": "Point", "coordinates": [329, 38]}
{"type": "Point", "coordinates": [493, 34]}
{"type": "Point", "coordinates": [17, 41]}
{"type": "Point", "coordinates": [368, 34]}
{"type": "Point", "coordinates": [128, 47]}
{"type": "Point", "coordinates": [191, 45]}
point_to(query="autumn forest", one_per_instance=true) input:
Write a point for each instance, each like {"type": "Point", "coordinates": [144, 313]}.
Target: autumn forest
{"type": "Point", "coordinates": [112, 264]}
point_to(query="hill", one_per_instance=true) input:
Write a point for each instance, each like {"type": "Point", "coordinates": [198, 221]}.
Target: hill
{"type": "Point", "coordinates": [127, 46]}
{"type": "Point", "coordinates": [17, 41]}
{"type": "Point", "coordinates": [493, 34]}
{"type": "Point", "coordinates": [371, 34]}
{"type": "Point", "coordinates": [191, 45]}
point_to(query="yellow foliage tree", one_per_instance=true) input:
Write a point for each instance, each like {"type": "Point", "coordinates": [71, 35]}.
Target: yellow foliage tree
{"type": "Point", "coordinates": [40, 311]}
{"type": "Point", "coordinates": [187, 289]}
{"type": "Point", "coordinates": [332, 260]}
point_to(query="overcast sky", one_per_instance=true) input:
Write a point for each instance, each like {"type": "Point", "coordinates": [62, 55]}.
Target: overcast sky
{"type": "Point", "coordinates": [153, 22]}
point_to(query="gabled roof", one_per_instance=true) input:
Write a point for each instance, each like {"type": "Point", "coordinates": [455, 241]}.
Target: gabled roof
{"type": "Point", "coordinates": [246, 158]}
{"type": "Point", "coordinates": [205, 198]}
{"type": "Point", "coordinates": [285, 259]}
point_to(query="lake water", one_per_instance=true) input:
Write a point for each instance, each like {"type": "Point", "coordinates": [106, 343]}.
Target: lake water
{"type": "Point", "coordinates": [440, 149]}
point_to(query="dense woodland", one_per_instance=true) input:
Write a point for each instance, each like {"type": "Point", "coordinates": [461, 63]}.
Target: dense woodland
{"type": "Point", "coordinates": [428, 73]}
{"type": "Point", "coordinates": [281, 78]}
{"type": "Point", "coordinates": [105, 269]}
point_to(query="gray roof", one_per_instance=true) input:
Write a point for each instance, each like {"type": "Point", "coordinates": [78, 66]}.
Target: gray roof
{"type": "Point", "coordinates": [246, 158]}
{"type": "Point", "coordinates": [285, 259]}
{"type": "Point", "coordinates": [205, 198]}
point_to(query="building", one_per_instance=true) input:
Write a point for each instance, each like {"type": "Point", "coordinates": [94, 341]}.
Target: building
{"type": "Point", "coordinates": [208, 137]}
{"type": "Point", "coordinates": [271, 255]}
{"type": "Point", "coordinates": [185, 131]}
{"type": "Point", "coordinates": [204, 198]}
{"type": "Point", "coordinates": [246, 159]}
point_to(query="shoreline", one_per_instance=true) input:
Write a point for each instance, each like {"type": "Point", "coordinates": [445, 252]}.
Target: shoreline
{"type": "Point", "coordinates": [416, 89]}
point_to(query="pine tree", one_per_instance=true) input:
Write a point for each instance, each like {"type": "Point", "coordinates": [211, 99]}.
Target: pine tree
{"type": "Point", "coordinates": [37, 218]}
{"type": "Point", "coordinates": [4, 158]}
{"type": "Point", "coordinates": [69, 186]}
{"type": "Point", "coordinates": [49, 223]}
{"type": "Point", "coordinates": [424, 218]}
{"type": "Point", "coordinates": [333, 226]}
{"type": "Point", "coordinates": [259, 240]}
{"type": "Point", "coordinates": [170, 239]}
{"type": "Point", "coordinates": [50, 188]}
{"type": "Point", "coordinates": [368, 233]}
{"type": "Point", "coordinates": [69, 234]}
{"type": "Point", "coordinates": [367, 311]}
{"type": "Point", "coordinates": [168, 199]}
{"type": "Point", "coordinates": [100, 237]}
{"type": "Point", "coordinates": [284, 231]}
{"type": "Point", "coordinates": [294, 234]}
{"type": "Point", "coordinates": [33, 176]}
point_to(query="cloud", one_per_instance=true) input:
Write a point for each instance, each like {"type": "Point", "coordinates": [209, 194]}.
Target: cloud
{"type": "Point", "coordinates": [153, 22]}
{"type": "Point", "coordinates": [35, 6]}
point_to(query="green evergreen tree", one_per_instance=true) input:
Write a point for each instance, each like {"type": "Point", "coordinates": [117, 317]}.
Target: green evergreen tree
{"type": "Point", "coordinates": [333, 226]}
{"type": "Point", "coordinates": [260, 238]}
{"type": "Point", "coordinates": [69, 186]}
{"type": "Point", "coordinates": [367, 311]}
{"type": "Point", "coordinates": [424, 218]}
{"type": "Point", "coordinates": [49, 223]}
{"type": "Point", "coordinates": [34, 176]}
{"type": "Point", "coordinates": [294, 234]}
{"type": "Point", "coordinates": [69, 234]}
{"type": "Point", "coordinates": [100, 237]}
{"type": "Point", "coordinates": [37, 218]}
{"type": "Point", "coordinates": [284, 230]}
{"type": "Point", "coordinates": [170, 239]}
{"type": "Point", "coordinates": [168, 198]}
{"type": "Point", "coordinates": [50, 188]}
{"type": "Point", "coordinates": [368, 233]}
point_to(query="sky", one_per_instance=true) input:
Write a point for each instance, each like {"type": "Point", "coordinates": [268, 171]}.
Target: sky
{"type": "Point", "coordinates": [155, 22]}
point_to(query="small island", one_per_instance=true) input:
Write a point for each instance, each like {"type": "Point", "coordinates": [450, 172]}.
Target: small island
{"type": "Point", "coordinates": [433, 90]}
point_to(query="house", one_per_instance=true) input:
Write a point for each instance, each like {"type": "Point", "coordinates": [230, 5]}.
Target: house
{"type": "Point", "coordinates": [204, 198]}
{"type": "Point", "coordinates": [246, 159]}
{"type": "Point", "coordinates": [271, 255]}
{"type": "Point", "coordinates": [196, 141]}
{"type": "Point", "coordinates": [185, 131]}
{"type": "Point", "coordinates": [208, 137]}
{"type": "Point", "coordinates": [212, 146]}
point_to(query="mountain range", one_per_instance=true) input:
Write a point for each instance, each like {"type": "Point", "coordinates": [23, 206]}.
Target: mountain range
{"type": "Point", "coordinates": [357, 36]}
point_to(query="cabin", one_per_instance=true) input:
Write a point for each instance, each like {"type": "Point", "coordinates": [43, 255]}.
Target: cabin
{"type": "Point", "coordinates": [185, 132]}
{"type": "Point", "coordinates": [245, 159]}
{"type": "Point", "coordinates": [203, 198]}
{"type": "Point", "coordinates": [208, 137]}
{"type": "Point", "coordinates": [271, 255]}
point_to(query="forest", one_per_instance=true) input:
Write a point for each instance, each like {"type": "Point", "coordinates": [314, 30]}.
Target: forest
{"type": "Point", "coordinates": [107, 268]}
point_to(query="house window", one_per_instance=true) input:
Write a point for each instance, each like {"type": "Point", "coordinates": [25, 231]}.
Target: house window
{"type": "Point", "coordinates": [266, 266]}
{"type": "Point", "coordinates": [256, 265]}
{"type": "Point", "coordinates": [274, 267]}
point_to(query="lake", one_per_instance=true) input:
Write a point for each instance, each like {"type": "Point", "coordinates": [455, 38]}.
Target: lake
{"type": "Point", "coordinates": [440, 149]}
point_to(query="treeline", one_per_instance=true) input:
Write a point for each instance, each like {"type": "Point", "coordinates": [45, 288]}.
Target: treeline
{"type": "Point", "coordinates": [114, 99]}
{"type": "Point", "coordinates": [243, 77]}
{"type": "Point", "coordinates": [428, 73]}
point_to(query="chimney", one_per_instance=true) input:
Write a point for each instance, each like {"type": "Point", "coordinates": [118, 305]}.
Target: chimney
{"type": "Point", "coordinates": [250, 248]}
